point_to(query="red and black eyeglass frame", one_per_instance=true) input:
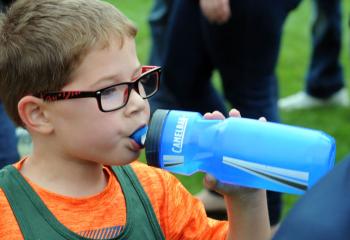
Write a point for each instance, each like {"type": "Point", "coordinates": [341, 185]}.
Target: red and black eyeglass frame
{"type": "Point", "coordinates": [64, 95]}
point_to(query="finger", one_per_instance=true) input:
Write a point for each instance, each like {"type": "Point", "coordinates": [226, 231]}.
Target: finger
{"type": "Point", "coordinates": [224, 18]}
{"type": "Point", "coordinates": [225, 11]}
{"type": "Point", "coordinates": [263, 119]}
{"type": "Point", "coordinates": [215, 11]}
{"type": "Point", "coordinates": [234, 113]}
{"type": "Point", "coordinates": [209, 182]}
{"type": "Point", "coordinates": [218, 115]}
{"type": "Point", "coordinates": [210, 18]}
{"type": "Point", "coordinates": [218, 16]}
{"type": "Point", "coordinates": [221, 19]}
{"type": "Point", "coordinates": [215, 115]}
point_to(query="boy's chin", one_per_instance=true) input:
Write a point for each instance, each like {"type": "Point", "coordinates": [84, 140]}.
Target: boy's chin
{"type": "Point", "coordinates": [127, 160]}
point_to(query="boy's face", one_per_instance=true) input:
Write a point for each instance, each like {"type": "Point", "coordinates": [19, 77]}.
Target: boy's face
{"type": "Point", "coordinates": [83, 131]}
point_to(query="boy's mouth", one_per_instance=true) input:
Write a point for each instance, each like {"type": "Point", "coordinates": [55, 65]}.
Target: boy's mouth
{"type": "Point", "coordinates": [139, 136]}
{"type": "Point", "coordinates": [135, 146]}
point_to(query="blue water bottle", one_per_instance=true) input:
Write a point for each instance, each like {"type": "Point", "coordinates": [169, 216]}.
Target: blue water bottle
{"type": "Point", "coordinates": [239, 151]}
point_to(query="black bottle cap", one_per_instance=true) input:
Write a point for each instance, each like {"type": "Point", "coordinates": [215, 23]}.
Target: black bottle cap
{"type": "Point", "coordinates": [153, 137]}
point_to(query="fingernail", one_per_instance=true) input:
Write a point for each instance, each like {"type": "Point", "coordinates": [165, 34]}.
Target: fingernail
{"type": "Point", "coordinates": [210, 180]}
{"type": "Point", "coordinates": [233, 110]}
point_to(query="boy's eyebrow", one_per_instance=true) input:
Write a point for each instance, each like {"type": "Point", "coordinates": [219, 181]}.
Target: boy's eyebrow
{"type": "Point", "coordinates": [135, 74]}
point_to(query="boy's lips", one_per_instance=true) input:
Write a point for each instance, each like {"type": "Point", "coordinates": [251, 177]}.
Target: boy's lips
{"type": "Point", "coordinates": [134, 145]}
{"type": "Point", "coordinates": [139, 135]}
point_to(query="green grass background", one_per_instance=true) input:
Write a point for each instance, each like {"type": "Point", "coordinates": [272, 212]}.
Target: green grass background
{"type": "Point", "coordinates": [292, 65]}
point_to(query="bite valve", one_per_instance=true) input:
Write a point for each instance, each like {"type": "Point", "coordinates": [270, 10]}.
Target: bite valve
{"type": "Point", "coordinates": [140, 136]}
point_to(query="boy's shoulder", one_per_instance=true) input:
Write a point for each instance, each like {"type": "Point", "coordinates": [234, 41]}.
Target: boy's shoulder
{"type": "Point", "coordinates": [8, 222]}
{"type": "Point", "coordinates": [145, 172]}
{"type": "Point", "coordinates": [155, 179]}
{"type": "Point", "coordinates": [3, 199]}
{"type": "Point", "coordinates": [5, 179]}
{"type": "Point", "coordinates": [3, 202]}
{"type": "Point", "coordinates": [5, 174]}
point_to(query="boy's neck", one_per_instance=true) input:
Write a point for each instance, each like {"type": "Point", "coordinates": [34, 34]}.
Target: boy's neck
{"type": "Point", "coordinates": [65, 177]}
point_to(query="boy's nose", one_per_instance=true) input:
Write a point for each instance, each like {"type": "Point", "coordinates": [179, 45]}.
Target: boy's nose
{"type": "Point", "coordinates": [136, 102]}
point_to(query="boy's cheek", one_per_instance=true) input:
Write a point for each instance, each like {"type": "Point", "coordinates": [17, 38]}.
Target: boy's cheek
{"type": "Point", "coordinates": [148, 109]}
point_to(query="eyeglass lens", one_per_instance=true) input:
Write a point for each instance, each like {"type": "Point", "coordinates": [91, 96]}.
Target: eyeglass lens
{"type": "Point", "coordinates": [117, 96]}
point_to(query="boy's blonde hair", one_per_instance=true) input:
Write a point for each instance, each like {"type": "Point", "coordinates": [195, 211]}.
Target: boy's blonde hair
{"type": "Point", "coordinates": [43, 41]}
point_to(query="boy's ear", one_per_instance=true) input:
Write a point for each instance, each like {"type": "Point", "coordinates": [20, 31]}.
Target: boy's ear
{"type": "Point", "coordinates": [32, 111]}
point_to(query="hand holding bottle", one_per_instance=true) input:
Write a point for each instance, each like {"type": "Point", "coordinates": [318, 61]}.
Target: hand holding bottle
{"type": "Point", "coordinates": [209, 181]}
{"type": "Point", "coordinates": [248, 205]}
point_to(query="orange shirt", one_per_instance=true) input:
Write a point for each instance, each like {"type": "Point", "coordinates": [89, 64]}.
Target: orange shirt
{"type": "Point", "coordinates": [181, 216]}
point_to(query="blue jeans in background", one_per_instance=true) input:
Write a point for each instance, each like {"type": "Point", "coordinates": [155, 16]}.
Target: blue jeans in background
{"type": "Point", "coordinates": [325, 76]}
{"type": "Point", "coordinates": [158, 21]}
{"type": "Point", "coordinates": [8, 140]}
{"type": "Point", "coordinates": [244, 51]}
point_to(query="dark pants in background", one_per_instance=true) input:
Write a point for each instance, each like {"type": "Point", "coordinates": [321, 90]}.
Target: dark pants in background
{"type": "Point", "coordinates": [243, 50]}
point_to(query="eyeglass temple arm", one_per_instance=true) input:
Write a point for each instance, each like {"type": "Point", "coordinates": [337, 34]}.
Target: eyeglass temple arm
{"type": "Point", "coordinates": [55, 96]}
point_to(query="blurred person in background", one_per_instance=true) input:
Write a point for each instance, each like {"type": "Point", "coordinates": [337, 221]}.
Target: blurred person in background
{"type": "Point", "coordinates": [324, 81]}
{"type": "Point", "coordinates": [323, 213]}
{"type": "Point", "coordinates": [158, 22]}
{"type": "Point", "coordinates": [8, 139]}
{"type": "Point", "coordinates": [240, 39]}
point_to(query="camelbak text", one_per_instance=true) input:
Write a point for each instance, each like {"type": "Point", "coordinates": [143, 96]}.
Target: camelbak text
{"type": "Point", "coordinates": [179, 134]}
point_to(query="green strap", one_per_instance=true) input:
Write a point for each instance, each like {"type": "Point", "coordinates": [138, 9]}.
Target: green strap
{"type": "Point", "coordinates": [33, 217]}
{"type": "Point", "coordinates": [37, 222]}
{"type": "Point", "coordinates": [144, 199]}
{"type": "Point", "coordinates": [5, 183]}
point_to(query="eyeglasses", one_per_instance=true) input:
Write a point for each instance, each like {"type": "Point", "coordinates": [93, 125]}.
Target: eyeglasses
{"type": "Point", "coordinates": [116, 96]}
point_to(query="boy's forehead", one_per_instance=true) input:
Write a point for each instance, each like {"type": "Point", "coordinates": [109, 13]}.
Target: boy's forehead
{"type": "Point", "coordinates": [112, 62]}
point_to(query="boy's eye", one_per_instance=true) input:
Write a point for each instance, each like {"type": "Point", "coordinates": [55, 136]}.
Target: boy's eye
{"type": "Point", "coordinates": [145, 79]}
{"type": "Point", "coordinates": [109, 91]}
{"type": "Point", "coordinates": [113, 97]}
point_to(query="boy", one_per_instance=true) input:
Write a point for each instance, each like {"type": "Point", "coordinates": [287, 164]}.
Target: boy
{"type": "Point", "coordinates": [70, 75]}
